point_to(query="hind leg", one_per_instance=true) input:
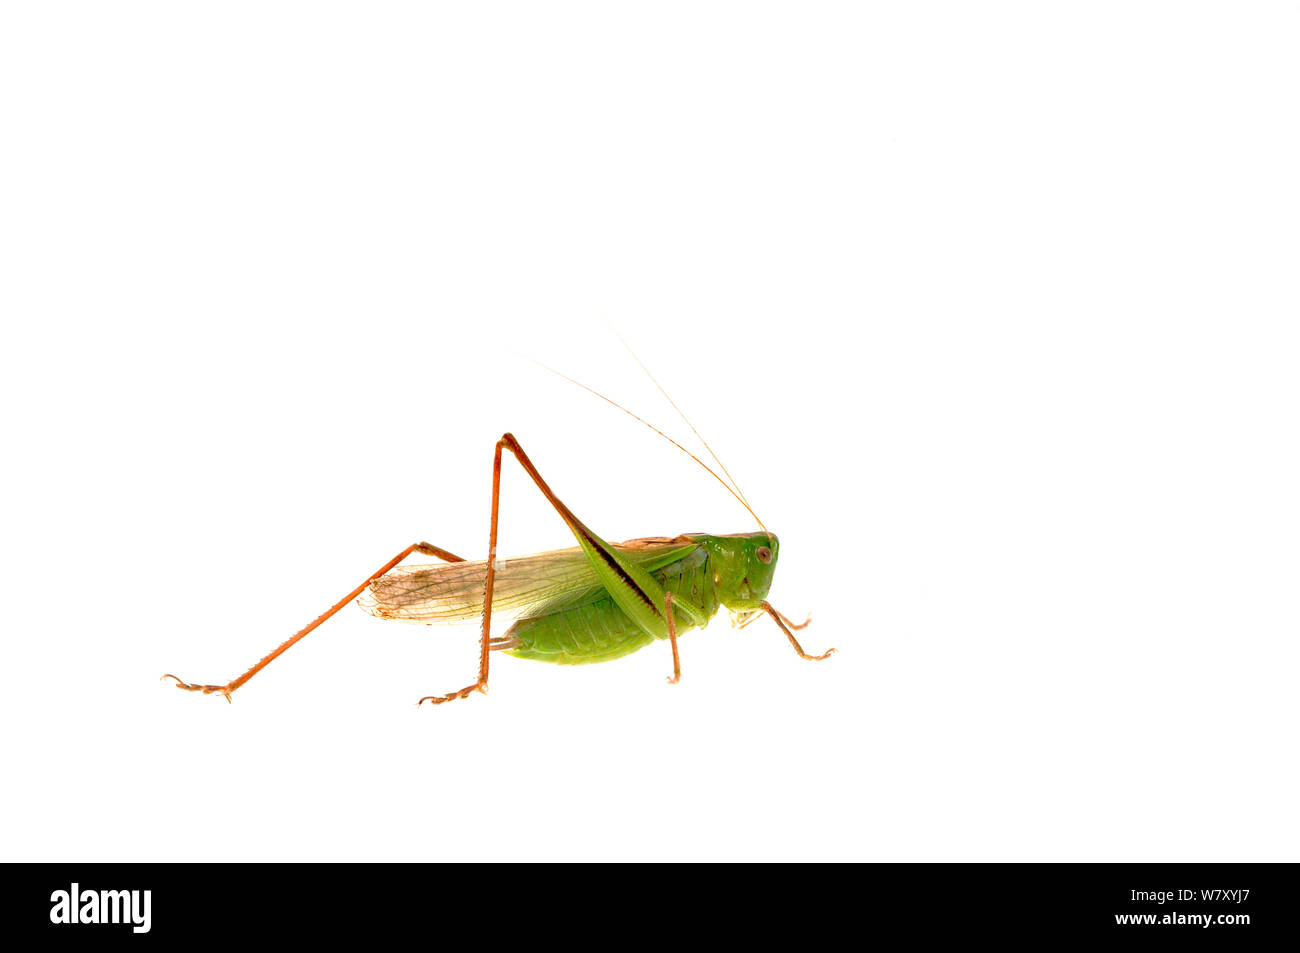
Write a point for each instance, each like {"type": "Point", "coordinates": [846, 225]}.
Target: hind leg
{"type": "Point", "coordinates": [227, 689]}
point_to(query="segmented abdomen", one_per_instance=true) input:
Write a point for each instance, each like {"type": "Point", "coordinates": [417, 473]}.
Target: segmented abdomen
{"type": "Point", "coordinates": [598, 632]}
{"type": "Point", "coordinates": [601, 632]}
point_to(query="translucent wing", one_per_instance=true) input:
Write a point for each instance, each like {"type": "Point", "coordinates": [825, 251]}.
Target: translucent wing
{"type": "Point", "coordinates": [453, 592]}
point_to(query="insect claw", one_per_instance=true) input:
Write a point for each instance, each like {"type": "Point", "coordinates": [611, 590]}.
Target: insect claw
{"type": "Point", "coordinates": [463, 693]}
{"type": "Point", "coordinates": [205, 689]}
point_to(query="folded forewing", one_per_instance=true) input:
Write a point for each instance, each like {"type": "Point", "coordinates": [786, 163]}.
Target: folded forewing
{"type": "Point", "coordinates": [453, 592]}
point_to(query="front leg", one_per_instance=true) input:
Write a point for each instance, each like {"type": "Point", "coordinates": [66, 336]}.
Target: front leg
{"type": "Point", "coordinates": [786, 625]}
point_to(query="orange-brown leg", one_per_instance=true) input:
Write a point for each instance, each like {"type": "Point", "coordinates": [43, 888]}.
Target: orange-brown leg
{"type": "Point", "coordinates": [784, 618]}
{"type": "Point", "coordinates": [507, 442]}
{"type": "Point", "coordinates": [426, 548]}
{"type": "Point", "coordinates": [672, 638]}
{"type": "Point", "coordinates": [755, 616]}
{"type": "Point", "coordinates": [785, 625]}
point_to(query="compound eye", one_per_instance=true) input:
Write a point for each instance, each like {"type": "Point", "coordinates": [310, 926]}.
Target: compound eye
{"type": "Point", "coordinates": [764, 554]}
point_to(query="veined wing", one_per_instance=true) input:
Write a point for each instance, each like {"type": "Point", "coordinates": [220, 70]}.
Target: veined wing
{"type": "Point", "coordinates": [453, 592]}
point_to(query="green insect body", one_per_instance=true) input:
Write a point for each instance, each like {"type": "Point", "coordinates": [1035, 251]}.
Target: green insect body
{"type": "Point", "coordinates": [591, 603]}
{"type": "Point", "coordinates": [601, 632]}
{"type": "Point", "coordinates": [575, 619]}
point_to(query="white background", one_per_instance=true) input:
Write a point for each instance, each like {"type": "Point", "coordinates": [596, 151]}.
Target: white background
{"type": "Point", "coordinates": [989, 308]}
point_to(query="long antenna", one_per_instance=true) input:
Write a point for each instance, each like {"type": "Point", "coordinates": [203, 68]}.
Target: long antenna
{"type": "Point", "coordinates": [698, 435]}
{"type": "Point", "coordinates": [591, 390]}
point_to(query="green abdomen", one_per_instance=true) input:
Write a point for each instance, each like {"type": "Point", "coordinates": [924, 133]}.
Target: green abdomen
{"type": "Point", "coordinates": [600, 632]}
